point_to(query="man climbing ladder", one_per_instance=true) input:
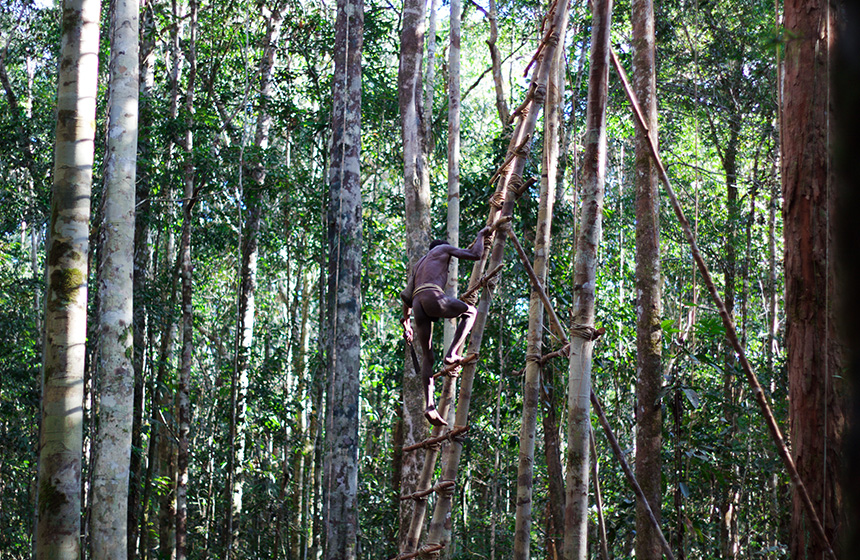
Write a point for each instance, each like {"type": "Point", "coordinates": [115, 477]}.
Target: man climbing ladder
{"type": "Point", "coordinates": [424, 294]}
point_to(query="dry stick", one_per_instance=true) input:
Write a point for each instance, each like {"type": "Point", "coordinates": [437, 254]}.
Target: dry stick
{"type": "Point", "coordinates": [731, 333]}
{"type": "Point", "coordinates": [554, 320]}
{"type": "Point", "coordinates": [597, 407]}
{"type": "Point", "coordinates": [482, 282]}
{"type": "Point", "coordinates": [563, 351]}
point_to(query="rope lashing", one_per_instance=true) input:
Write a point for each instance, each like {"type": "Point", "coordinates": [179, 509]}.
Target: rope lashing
{"type": "Point", "coordinates": [497, 200]}
{"type": "Point", "coordinates": [445, 488]}
{"type": "Point", "coordinates": [431, 551]}
{"type": "Point", "coordinates": [586, 332]}
{"type": "Point", "coordinates": [521, 150]}
{"type": "Point", "coordinates": [539, 95]}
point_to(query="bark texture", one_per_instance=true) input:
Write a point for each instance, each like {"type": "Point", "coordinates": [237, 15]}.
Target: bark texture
{"type": "Point", "coordinates": [585, 273]}
{"type": "Point", "coordinates": [649, 309]}
{"type": "Point", "coordinates": [454, 120]}
{"type": "Point", "coordinates": [109, 517]}
{"type": "Point", "coordinates": [344, 285]}
{"type": "Point", "coordinates": [58, 506]}
{"type": "Point", "coordinates": [815, 354]}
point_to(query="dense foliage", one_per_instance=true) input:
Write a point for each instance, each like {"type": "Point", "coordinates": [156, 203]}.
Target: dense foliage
{"type": "Point", "coordinates": [717, 103]}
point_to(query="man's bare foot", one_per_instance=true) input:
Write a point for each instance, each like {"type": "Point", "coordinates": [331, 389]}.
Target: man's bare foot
{"type": "Point", "coordinates": [433, 416]}
{"type": "Point", "coordinates": [452, 359]}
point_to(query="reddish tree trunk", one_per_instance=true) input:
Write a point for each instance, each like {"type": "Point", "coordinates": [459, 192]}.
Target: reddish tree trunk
{"type": "Point", "coordinates": [814, 351]}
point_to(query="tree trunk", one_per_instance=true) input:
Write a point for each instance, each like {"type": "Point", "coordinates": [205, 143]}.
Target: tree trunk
{"type": "Point", "coordinates": [453, 226]}
{"type": "Point", "coordinates": [532, 382]}
{"type": "Point", "coordinates": [814, 350]}
{"type": "Point", "coordinates": [728, 490]}
{"type": "Point", "coordinates": [58, 509]}
{"type": "Point", "coordinates": [142, 261]}
{"type": "Point", "coordinates": [585, 272]}
{"type": "Point", "coordinates": [108, 522]}
{"type": "Point", "coordinates": [496, 58]}
{"type": "Point", "coordinates": [186, 267]}
{"type": "Point", "coordinates": [417, 219]}
{"type": "Point", "coordinates": [547, 387]}
{"type": "Point", "coordinates": [648, 286]}
{"type": "Point", "coordinates": [344, 285]}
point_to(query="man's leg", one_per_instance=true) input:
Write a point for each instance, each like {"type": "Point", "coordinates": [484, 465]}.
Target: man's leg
{"type": "Point", "coordinates": [424, 334]}
{"type": "Point", "coordinates": [464, 327]}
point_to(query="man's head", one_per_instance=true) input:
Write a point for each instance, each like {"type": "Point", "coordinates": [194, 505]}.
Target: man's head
{"type": "Point", "coordinates": [436, 242]}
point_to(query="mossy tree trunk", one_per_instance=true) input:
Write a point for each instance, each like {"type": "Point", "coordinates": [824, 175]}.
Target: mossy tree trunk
{"type": "Point", "coordinates": [58, 506]}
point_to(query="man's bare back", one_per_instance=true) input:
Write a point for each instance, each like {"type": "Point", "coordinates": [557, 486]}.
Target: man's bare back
{"type": "Point", "coordinates": [425, 294]}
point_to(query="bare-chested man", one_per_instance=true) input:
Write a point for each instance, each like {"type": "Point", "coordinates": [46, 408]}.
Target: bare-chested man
{"type": "Point", "coordinates": [426, 295]}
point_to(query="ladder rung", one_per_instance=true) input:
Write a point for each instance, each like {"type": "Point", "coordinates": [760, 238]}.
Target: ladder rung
{"type": "Point", "coordinates": [418, 495]}
{"type": "Point", "coordinates": [455, 431]}
{"type": "Point", "coordinates": [450, 368]}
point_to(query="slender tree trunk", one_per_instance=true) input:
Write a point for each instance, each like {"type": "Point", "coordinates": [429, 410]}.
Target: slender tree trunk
{"type": "Point", "coordinates": [729, 493]}
{"type": "Point", "coordinates": [496, 58]}
{"type": "Point", "coordinates": [58, 505]}
{"type": "Point", "coordinates": [532, 383]}
{"type": "Point", "coordinates": [417, 217]}
{"type": "Point", "coordinates": [142, 261]}
{"type": "Point", "coordinates": [345, 285]}
{"type": "Point", "coordinates": [585, 272]}
{"type": "Point", "coordinates": [186, 267]}
{"type": "Point", "coordinates": [454, 98]}
{"type": "Point", "coordinates": [548, 394]}
{"type": "Point", "coordinates": [815, 352]}
{"type": "Point", "coordinates": [430, 76]}
{"type": "Point", "coordinates": [165, 407]}
{"type": "Point", "coordinates": [108, 523]}
{"type": "Point", "coordinates": [648, 286]}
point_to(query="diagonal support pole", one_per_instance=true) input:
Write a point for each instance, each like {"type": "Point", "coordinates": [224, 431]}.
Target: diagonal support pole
{"type": "Point", "coordinates": [731, 332]}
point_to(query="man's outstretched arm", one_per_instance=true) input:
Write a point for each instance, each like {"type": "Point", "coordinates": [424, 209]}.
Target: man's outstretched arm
{"type": "Point", "coordinates": [476, 250]}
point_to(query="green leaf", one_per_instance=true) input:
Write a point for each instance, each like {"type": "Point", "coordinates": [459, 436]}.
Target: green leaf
{"type": "Point", "coordinates": [692, 396]}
